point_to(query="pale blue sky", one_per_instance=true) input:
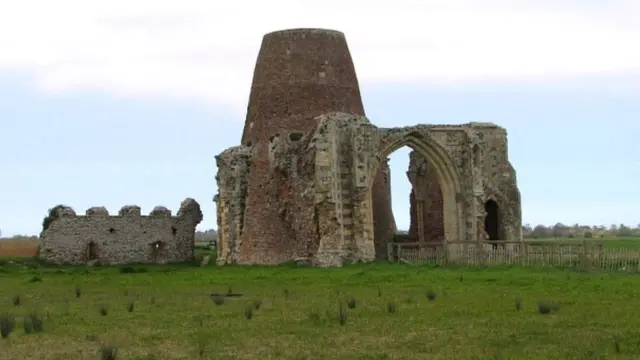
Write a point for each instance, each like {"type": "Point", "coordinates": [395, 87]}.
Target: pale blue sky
{"type": "Point", "coordinates": [101, 117]}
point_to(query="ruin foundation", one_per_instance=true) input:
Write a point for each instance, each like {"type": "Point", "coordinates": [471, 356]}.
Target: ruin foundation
{"type": "Point", "coordinates": [310, 180]}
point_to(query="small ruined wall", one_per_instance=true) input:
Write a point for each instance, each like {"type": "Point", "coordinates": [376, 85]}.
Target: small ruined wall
{"type": "Point", "coordinates": [128, 237]}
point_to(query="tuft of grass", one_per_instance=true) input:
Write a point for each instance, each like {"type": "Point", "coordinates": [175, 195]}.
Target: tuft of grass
{"type": "Point", "coordinates": [315, 316]}
{"type": "Point", "coordinates": [33, 324]}
{"type": "Point", "coordinates": [229, 291]}
{"type": "Point", "coordinates": [35, 279]}
{"type": "Point", "coordinates": [351, 303]}
{"type": "Point", "coordinates": [16, 300]}
{"type": "Point", "coordinates": [544, 308]}
{"type": "Point", "coordinates": [248, 312]}
{"type": "Point", "coordinates": [132, 270]}
{"type": "Point", "coordinates": [431, 295]}
{"type": "Point", "coordinates": [257, 304]}
{"type": "Point", "coordinates": [108, 352]}
{"type": "Point", "coordinates": [342, 315]}
{"type": "Point", "coordinates": [103, 310]}
{"type": "Point", "coordinates": [379, 292]}
{"type": "Point", "coordinates": [391, 307]}
{"type": "Point", "coordinates": [130, 306]}
{"type": "Point", "coordinates": [7, 325]}
{"type": "Point", "coordinates": [217, 299]}
{"type": "Point", "coordinates": [518, 303]}
{"type": "Point", "coordinates": [285, 292]}
{"type": "Point", "coordinates": [78, 292]}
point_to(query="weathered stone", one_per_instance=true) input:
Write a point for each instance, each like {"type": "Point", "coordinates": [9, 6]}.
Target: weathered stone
{"type": "Point", "coordinates": [160, 211]}
{"type": "Point", "coordinates": [126, 238]}
{"type": "Point", "coordinates": [311, 180]}
{"type": "Point", "coordinates": [97, 211]}
{"type": "Point", "coordinates": [130, 210]}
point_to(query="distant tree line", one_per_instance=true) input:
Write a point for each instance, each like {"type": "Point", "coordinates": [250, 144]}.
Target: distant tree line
{"type": "Point", "coordinates": [561, 230]}
{"type": "Point", "coordinates": [207, 236]}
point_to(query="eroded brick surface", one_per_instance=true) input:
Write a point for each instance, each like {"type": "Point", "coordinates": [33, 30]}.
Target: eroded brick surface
{"type": "Point", "coordinates": [309, 181]}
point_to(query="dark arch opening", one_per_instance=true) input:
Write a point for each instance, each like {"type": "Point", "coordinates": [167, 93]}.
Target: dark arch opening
{"type": "Point", "coordinates": [492, 220]}
{"type": "Point", "coordinates": [92, 251]}
{"type": "Point", "coordinates": [476, 155]}
{"type": "Point", "coordinates": [159, 253]}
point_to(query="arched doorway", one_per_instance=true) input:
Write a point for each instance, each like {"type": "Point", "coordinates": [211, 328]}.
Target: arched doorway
{"type": "Point", "coordinates": [447, 178]}
{"type": "Point", "coordinates": [492, 221]}
{"type": "Point", "coordinates": [92, 251]}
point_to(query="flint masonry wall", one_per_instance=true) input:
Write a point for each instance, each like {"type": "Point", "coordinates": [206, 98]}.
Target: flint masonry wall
{"type": "Point", "coordinates": [128, 237]}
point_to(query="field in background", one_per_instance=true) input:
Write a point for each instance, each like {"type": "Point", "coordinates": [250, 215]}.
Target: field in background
{"type": "Point", "coordinates": [399, 312]}
{"type": "Point", "coordinates": [19, 247]}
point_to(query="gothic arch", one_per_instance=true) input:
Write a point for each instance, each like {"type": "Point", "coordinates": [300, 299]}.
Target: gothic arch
{"type": "Point", "coordinates": [448, 176]}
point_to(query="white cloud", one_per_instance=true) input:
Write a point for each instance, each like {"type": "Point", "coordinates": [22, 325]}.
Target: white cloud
{"type": "Point", "coordinates": [207, 49]}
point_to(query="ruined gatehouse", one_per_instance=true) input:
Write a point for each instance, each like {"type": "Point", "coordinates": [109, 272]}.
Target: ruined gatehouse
{"type": "Point", "coordinates": [310, 180]}
{"type": "Point", "coordinates": [126, 238]}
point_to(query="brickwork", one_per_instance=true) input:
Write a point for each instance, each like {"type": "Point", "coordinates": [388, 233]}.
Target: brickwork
{"type": "Point", "coordinates": [309, 182]}
{"type": "Point", "coordinates": [125, 238]}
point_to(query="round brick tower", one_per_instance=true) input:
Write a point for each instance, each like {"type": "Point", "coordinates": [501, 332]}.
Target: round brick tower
{"type": "Point", "coordinates": [300, 74]}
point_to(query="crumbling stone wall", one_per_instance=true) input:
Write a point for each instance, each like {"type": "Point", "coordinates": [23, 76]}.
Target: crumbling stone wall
{"type": "Point", "coordinates": [125, 238]}
{"type": "Point", "coordinates": [425, 201]}
{"type": "Point", "coordinates": [310, 180]}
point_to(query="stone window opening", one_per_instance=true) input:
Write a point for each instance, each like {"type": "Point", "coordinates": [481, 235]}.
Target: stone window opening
{"type": "Point", "coordinates": [295, 136]}
{"type": "Point", "coordinates": [112, 230]}
{"type": "Point", "coordinates": [159, 252]}
{"type": "Point", "coordinates": [174, 230]}
{"type": "Point", "coordinates": [92, 251]}
{"type": "Point", "coordinates": [492, 221]}
{"type": "Point", "coordinates": [476, 155]}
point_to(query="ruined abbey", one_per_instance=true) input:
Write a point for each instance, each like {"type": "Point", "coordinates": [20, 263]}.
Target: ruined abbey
{"type": "Point", "coordinates": [128, 237]}
{"type": "Point", "coordinates": [310, 180]}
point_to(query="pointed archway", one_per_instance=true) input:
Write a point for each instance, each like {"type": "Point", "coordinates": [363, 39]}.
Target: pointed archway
{"type": "Point", "coordinates": [492, 221]}
{"type": "Point", "coordinates": [446, 175]}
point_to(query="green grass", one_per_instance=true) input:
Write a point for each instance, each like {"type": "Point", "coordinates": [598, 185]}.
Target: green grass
{"type": "Point", "coordinates": [306, 313]}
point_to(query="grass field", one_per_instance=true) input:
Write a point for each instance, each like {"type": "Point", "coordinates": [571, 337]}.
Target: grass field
{"type": "Point", "coordinates": [295, 313]}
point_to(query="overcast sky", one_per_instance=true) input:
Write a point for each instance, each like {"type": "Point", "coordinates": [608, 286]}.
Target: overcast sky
{"type": "Point", "coordinates": [127, 102]}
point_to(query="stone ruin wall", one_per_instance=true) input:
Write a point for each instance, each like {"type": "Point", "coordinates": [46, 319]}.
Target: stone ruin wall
{"type": "Point", "coordinates": [330, 172]}
{"type": "Point", "coordinates": [128, 237]}
{"type": "Point", "coordinates": [428, 202]}
{"type": "Point", "coordinates": [307, 182]}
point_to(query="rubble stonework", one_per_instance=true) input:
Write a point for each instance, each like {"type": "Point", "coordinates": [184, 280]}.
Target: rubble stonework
{"type": "Point", "coordinates": [310, 180]}
{"type": "Point", "coordinates": [128, 237]}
